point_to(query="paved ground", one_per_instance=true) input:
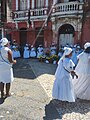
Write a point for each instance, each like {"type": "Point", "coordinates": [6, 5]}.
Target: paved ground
{"type": "Point", "coordinates": [32, 99]}
{"type": "Point", "coordinates": [80, 110]}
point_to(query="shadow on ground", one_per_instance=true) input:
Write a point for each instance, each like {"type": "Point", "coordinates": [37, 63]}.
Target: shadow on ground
{"type": "Point", "coordinates": [23, 70]}
{"type": "Point", "coordinates": [2, 100]}
{"type": "Point", "coordinates": [51, 112]}
{"type": "Point", "coordinates": [81, 107]}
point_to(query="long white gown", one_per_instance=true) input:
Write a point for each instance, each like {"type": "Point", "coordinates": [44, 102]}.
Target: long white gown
{"type": "Point", "coordinates": [6, 71]}
{"type": "Point", "coordinates": [82, 84]}
{"type": "Point", "coordinates": [26, 53]}
{"type": "Point", "coordinates": [63, 88]}
{"type": "Point", "coordinates": [16, 52]}
{"type": "Point", "coordinates": [33, 52]}
{"type": "Point", "coordinates": [40, 52]}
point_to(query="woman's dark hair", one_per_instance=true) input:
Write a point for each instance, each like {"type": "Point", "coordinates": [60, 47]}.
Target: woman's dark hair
{"type": "Point", "coordinates": [87, 50]}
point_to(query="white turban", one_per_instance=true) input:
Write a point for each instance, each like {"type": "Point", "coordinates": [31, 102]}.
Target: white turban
{"type": "Point", "coordinates": [87, 45]}
{"type": "Point", "coordinates": [67, 51]}
{"type": "Point", "coordinates": [4, 41]}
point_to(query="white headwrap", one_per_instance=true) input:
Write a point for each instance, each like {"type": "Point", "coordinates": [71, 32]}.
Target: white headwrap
{"type": "Point", "coordinates": [87, 45]}
{"type": "Point", "coordinates": [4, 41]}
{"type": "Point", "coordinates": [66, 52]}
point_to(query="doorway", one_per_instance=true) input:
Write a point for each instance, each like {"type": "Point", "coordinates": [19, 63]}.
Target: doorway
{"type": "Point", "coordinates": [66, 35]}
{"type": "Point", "coordinates": [23, 36]}
{"type": "Point", "coordinates": [23, 40]}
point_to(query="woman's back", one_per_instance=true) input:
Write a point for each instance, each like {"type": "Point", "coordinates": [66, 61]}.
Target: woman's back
{"type": "Point", "coordinates": [83, 65]}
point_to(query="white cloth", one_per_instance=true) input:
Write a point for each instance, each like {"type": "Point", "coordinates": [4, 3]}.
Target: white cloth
{"type": "Point", "coordinates": [15, 52]}
{"type": "Point", "coordinates": [53, 50]}
{"type": "Point", "coordinates": [87, 45]}
{"type": "Point", "coordinates": [6, 71]}
{"type": "Point", "coordinates": [67, 51]}
{"type": "Point", "coordinates": [26, 53]}
{"type": "Point", "coordinates": [82, 84]}
{"type": "Point", "coordinates": [33, 52]}
{"type": "Point", "coordinates": [4, 41]}
{"type": "Point", "coordinates": [63, 88]}
{"type": "Point", "coordinates": [74, 57]}
{"type": "Point", "coordinates": [40, 52]}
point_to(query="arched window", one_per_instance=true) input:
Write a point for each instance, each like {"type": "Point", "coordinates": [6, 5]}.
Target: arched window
{"type": "Point", "coordinates": [39, 3]}
{"type": "Point", "coordinates": [23, 4]}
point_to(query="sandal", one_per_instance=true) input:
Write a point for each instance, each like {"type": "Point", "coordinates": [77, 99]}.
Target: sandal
{"type": "Point", "coordinates": [8, 95]}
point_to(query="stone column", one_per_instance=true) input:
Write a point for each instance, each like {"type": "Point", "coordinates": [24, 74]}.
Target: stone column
{"type": "Point", "coordinates": [32, 4]}
{"type": "Point", "coordinates": [16, 4]}
{"type": "Point", "coordinates": [54, 29]}
{"type": "Point", "coordinates": [46, 3]}
{"type": "Point", "coordinates": [28, 4]}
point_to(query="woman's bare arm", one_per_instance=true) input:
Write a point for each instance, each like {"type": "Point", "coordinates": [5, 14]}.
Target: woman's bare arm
{"type": "Point", "coordinates": [10, 57]}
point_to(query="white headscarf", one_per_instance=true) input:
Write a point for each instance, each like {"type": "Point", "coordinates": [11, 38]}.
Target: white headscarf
{"type": "Point", "coordinates": [4, 41]}
{"type": "Point", "coordinates": [87, 45]}
{"type": "Point", "coordinates": [67, 51]}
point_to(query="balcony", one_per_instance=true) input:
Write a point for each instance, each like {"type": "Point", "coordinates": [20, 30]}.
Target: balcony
{"type": "Point", "coordinates": [34, 14]}
{"type": "Point", "coordinates": [67, 9]}
{"type": "Point", "coordinates": [59, 10]}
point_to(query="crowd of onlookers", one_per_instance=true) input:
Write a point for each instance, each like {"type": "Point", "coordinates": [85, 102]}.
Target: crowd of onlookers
{"type": "Point", "coordinates": [48, 55]}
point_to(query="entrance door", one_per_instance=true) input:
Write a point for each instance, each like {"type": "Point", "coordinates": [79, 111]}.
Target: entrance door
{"type": "Point", "coordinates": [66, 35]}
{"type": "Point", "coordinates": [23, 37]}
{"type": "Point", "coordinates": [66, 38]}
{"type": "Point", "coordinates": [23, 40]}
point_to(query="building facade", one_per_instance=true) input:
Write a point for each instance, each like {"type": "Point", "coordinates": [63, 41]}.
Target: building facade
{"type": "Point", "coordinates": [48, 22]}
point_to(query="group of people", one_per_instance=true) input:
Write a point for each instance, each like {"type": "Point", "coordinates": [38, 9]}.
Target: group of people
{"type": "Point", "coordinates": [29, 51]}
{"type": "Point", "coordinates": [73, 80]}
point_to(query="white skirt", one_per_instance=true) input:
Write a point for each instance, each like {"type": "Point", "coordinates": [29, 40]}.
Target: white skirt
{"type": "Point", "coordinates": [63, 90]}
{"type": "Point", "coordinates": [26, 54]}
{"type": "Point", "coordinates": [6, 73]}
{"type": "Point", "coordinates": [82, 86]}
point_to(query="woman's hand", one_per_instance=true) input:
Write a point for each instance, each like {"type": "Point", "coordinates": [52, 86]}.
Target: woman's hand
{"type": "Point", "coordinates": [14, 61]}
{"type": "Point", "coordinates": [74, 74]}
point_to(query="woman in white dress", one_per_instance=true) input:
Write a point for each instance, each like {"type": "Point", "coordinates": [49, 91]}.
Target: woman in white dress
{"type": "Point", "coordinates": [26, 53]}
{"type": "Point", "coordinates": [32, 52]}
{"type": "Point", "coordinates": [82, 84]}
{"type": "Point", "coordinates": [63, 88]}
{"type": "Point", "coordinates": [6, 71]}
{"type": "Point", "coordinates": [40, 51]}
{"type": "Point", "coordinates": [15, 51]}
